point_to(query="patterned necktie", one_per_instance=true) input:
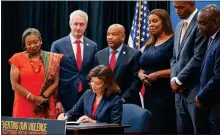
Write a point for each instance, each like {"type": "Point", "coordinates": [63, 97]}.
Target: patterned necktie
{"type": "Point", "coordinates": [79, 61]}
{"type": "Point", "coordinates": [113, 60]}
{"type": "Point", "coordinates": [183, 31]}
{"type": "Point", "coordinates": [210, 42]}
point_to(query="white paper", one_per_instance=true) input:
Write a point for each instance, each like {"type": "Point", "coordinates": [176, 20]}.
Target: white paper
{"type": "Point", "coordinates": [72, 123]}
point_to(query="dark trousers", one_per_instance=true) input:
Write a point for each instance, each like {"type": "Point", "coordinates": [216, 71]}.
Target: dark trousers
{"type": "Point", "coordinates": [215, 127]}
{"type": "Point", "coordinates": [190, 119]}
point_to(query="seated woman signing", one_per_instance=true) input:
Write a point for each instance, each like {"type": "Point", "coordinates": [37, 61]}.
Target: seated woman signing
{"type": "Point", "coordinates": [102, 102]}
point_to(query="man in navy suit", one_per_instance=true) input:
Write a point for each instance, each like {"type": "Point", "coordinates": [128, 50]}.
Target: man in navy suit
{"type": "Point", "coordinates": [208, 96]}
{"type": "Point", "coordinates": [125, 63]}
{"type": "Point", "coordinates": [188, 52]}
{"type": "Point", "coordinates": [77, 61]}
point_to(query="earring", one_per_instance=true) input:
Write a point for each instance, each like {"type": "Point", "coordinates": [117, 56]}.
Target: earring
{"type": "Point", "coordinates": [106, 86]}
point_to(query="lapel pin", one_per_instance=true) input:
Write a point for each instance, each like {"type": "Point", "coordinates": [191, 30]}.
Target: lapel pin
{"type": "Point", "coordinates": [124, 52]}
{"type": "Point", "coordinates": [87, 44]}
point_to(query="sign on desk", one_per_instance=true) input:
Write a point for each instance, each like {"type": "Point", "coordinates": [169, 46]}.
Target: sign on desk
{"type": "Point", "coordinates": [26, 126]}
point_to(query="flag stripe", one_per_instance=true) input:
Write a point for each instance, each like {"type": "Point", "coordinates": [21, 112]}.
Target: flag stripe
{"type": "Point", "coordinates": [140, 30]}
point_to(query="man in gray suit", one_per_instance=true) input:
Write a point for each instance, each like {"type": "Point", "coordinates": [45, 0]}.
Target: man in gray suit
{"type": "Point", "coordinates": [188, 53]}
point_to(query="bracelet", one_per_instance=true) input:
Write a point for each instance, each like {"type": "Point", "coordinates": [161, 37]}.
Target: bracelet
{"type": "Point", "coordinates": [28, 95]}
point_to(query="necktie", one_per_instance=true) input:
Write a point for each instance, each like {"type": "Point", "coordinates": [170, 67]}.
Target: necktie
{"type": "Point", "coordinates": [78, 54]}
{"type": "Point", "coordinates": [78, 61]}
{"type": "Point", "coordinates": [210, 42]}
{"type": "Point", "coordinates": [183, 31]}
{"type": "Point", "coordinates": [113, 60]}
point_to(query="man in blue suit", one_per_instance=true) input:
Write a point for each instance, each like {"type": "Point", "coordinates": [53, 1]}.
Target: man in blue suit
{"type": "Point", "coordinates": [126, 63]}
{"type": "Point", "coordinates": [77, 61]}
{"type": "Point", "coordinates": [208, 96]}
{"type": "Point", "coordinates": [188, 52]}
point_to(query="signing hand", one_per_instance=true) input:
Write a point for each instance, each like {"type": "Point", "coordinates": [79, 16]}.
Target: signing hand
{"type": "Point", "coordinates": [85, 119]}
{"type": "Point", "coordinates": [62, 117]}
{"type": "Point", "coordinates": [59, 108]}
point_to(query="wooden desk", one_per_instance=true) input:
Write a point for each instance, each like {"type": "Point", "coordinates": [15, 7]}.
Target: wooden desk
{"type": "Point", "coordinates": [94, 128]}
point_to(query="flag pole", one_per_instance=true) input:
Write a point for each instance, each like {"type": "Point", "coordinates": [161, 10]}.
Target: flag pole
{"type": "Point", "coordinates": [139, 26]}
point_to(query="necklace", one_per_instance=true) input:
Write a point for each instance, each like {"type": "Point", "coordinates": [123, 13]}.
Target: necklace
{"type": "Point", "coordinates": [35, 69]}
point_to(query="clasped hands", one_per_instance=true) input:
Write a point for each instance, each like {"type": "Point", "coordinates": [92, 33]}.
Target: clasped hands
{"type": "Point", "coordinates": [41, 103]}
{"type": "Point", "coordinates": [175, 87]}
{"type": "Point", "coordinates": [178, 89]}
{"type": "Point", "coordinates": [38, 100]}
{"type": "Point", "coordinates": [82, 119]}
{"type": "Point", "coordinates": [147, 79]}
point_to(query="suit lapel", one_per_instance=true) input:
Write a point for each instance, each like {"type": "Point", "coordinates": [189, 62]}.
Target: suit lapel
{"type": "Point", "coordinates": [100, 106]}
{"type": "Point", "coordinates": [192, 23]}
{"type": "Point", "coordinates": [209, 49]}
{"type": "Point", "coordinates": [121, 56]}
{"type": "Point", "coordinates": [85, 51]}
{"type": "Point", "coordinates": [203, 62]}
{"type": "Point", "coordinates": [69, 49]}
{"type": "Point", "coordinates": [178, 35]}
{"type": "Point", "coordinates": [90, 105]}
{"type": "Point", "coordinates": [105, 57]}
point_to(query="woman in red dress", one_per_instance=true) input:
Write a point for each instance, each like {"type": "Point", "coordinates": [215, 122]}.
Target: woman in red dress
{"type": "Point", "coordinates": [34, 78]}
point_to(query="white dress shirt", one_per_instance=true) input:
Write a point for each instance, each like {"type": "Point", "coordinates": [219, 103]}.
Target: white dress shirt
{"type": "Point", "coordinates": [188, 20]}
{"type": "Point", "coordinates": [74, 45]}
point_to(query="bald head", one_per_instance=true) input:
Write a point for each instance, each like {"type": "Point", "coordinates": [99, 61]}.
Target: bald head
{"type": "Point", "coordinates": [115, 35]}
{"type": "Point", "coordinates": [119, 27]}
{"type": "Point", "coordinates": [212, 11]}
{"type": "Point", "coordinates": [209, 19]}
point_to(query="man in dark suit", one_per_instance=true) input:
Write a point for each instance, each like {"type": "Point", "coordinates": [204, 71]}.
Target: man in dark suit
{"type": "Point", "coordinates": [124, 61]}
{"type": "Point", "coordinates": [208, 96]}
{"type": "Point", "coordinates": [77, 61]}
{"type": "Point", "coordinates": [188, 52]}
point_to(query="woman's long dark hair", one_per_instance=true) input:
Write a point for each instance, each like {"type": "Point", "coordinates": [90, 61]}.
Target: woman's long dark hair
{"type": "Point", "coordinates": [166, 24]}
{"type": "Point", "coordinates": [105, 73]}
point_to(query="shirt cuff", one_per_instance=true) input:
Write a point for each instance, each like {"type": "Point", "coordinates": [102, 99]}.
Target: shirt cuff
{"type": "Point", "coordinates": [123, 100]}
{"type": "Point", "coordinates": [177, 80]}
{"type": "Point", "coordinates": [172, 79]}
{"type": "Point", "coordinates": [67, 115]}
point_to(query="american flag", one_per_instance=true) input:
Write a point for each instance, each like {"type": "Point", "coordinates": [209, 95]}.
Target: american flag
{"type": "Point", "coordinates": [140, 30]}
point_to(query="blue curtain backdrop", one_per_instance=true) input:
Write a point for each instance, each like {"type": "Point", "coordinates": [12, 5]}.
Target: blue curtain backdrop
{"type": "Point", "coordinates": [51, 18]}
